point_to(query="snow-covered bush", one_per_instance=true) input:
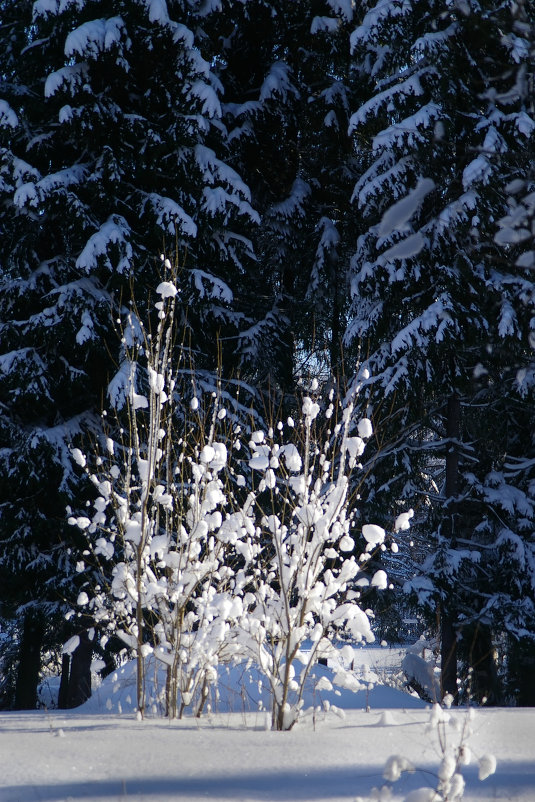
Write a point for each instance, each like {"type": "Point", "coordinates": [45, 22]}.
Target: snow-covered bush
{"type": "Point", "coordinates": [302, 586]}
{"type": "Point", "coordinates": [214, 545]}
{"type": "Point", "coordinates": [164, 577]}
{"type": "Point", "coordinates": [452, 733]}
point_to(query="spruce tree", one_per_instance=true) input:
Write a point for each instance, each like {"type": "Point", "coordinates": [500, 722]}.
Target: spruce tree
{"type": "Point", "coordinates": [515, 487]}
{"type": "Point", "coordinates": [433, 305]}
{"type": "Point", "coordinates": [111, 151]}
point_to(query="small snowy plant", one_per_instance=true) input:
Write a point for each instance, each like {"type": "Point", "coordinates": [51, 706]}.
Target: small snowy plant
{"type": "Point", "coordinates": [298, 579]}
{"type": "Point", "coordinates": [213, 548]}
{"type": "Point", "coordinates": [164, 577]}
{"type": "Point", "coordinates": [452, 733]}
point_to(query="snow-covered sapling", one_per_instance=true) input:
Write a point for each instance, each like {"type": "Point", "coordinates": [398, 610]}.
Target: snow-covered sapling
{"type": "Point", "coordinates": [165, 576]}
{"type": "Point", "coordinates": [201, 572]}
{"type": "Point", "coordinates": [452, 732]}
{"type": "Point", "coordinates": [301, 589]}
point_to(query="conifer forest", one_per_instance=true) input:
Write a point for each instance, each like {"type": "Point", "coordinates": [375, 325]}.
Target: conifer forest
{"type": "Point", "coordinates": [267, 343]}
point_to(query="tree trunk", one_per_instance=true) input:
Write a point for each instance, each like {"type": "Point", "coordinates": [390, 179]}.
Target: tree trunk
{"type": "Point", "coordinates": [140, 660]}
{"type": "Point", "coordinates": [29, 661]}
{"type": "Point", "coordinates": [285, 357]}
{"type": "Point", "coordinates": [520, 672]}
{"type": "Point", "coordinates": [336, 351]}
{"type": "Point", "coordinates": [63, 694]}
{"type": "Point", "coordinates": [485, 687]}
{"type": "Point", "coordinates": [448, 635]}
{"type": "Point", "coordinates": [80, 677]}
{"type": "Point", "coordinates": [448, 655]}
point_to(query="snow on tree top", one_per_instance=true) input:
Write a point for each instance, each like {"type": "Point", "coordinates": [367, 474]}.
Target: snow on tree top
{"type": "Point", "coordinates": [456, 211]}
{"type": "Point", "coordinates": [342, 7]}
{"type": "Point", "coordinates": [7, 116]}
{"type": "Point", "coordinates": [215, 170]}
{"type": "Point", "coordinates": [478, 170]}
{"type": "Point", "coordinates": [29, 194]}
{"type": "Point", "coordinates": [115, 231]}
{"type": "Point", "coordinates": [158, 11]}
{"type": "Point", "coordinates": [398, 215]}
{"type": "Point", "coordinates": [278, 82]}
{"type": "Point", "coordinates": [71, 77]}
{"type": "Point", "coordinates": [381, 14]}
{"type": "Point", "coordinates": [211, 287]}
{"type": "Point", "coordinates": [209, 7]}
{"type": "Point", "coordinates": [432, 43]}
{"type": "Point", "coordinates": [22, 171]}
{"type": "Point", "coordinates": [169, 214]}
{"type": "Point", "coordinates": [87, 329]}
{"type": "Point", "coordinates": [408, 130]}
{"type": "Point", "coordinates": [525, 124]}
{"type": "Point", "coordinates": [519, 48]}
{"type": "Point", "coordinates": [381, 178]}
{"type": "Point", "coordinates": [42, 8]}
{"type": "Point", "coordinates": [209, 99]}
{"type": "Point", "coordinates": [328, 24]}
{"type": "Point", "coordinates": [95, 36]}
{"type": "Point", "coordinates": [410, 86]}
{"type": "Point", "coordinates": [434, 317]}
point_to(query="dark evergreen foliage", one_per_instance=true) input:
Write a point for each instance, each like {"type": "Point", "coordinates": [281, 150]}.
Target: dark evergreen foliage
{"type": "Point", "coordinates": [441, 315]}
{"type": "Point", "coordinates": [338, 184]}
{"type": "Point", "coordinates": [286, 73]}
{"type": "Point", "coordinates": [110, 153]}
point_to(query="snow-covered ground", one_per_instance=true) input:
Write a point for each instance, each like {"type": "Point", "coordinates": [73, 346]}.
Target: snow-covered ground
{"type": "Point", "coordinates": [58, 756]}
{"type": "Point", "coordinates": [95, 753]}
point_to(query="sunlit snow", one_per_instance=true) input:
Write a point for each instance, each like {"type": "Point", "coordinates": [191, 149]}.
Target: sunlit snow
{"type": "Point", "coordinates": [339, 753]}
